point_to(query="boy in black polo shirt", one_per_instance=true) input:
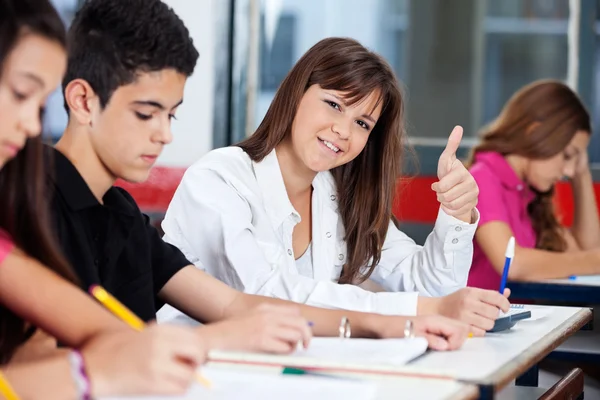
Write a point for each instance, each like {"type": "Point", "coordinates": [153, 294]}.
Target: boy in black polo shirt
{"type": "Point", "coordinates": [128, 64]}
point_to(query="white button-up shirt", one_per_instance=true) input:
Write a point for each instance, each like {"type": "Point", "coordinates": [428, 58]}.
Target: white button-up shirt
{"type": "Point", "coordinates": [232, 218]}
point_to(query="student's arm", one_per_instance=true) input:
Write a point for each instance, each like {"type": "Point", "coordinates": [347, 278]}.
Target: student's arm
{"type": "Point", "coordinates": [586, 223]}
{"type": "Point", "coordinates": [161, 360]}
{"type": "Point", "coordinates": [205, 298]}
{"type": "Point", "coordinates": [438, 268]}
{"type": "Point", "coordinates": [39, 345]}
{"type": "Point", "coordinates": [48, 378]}
{"type": "Point", "coordinates": [214, 231]}
{"type": "Point", "coordinates": [44, 299]}
{"type": "Point", "coordinates": [442, 265]}
{"type": "Point", "coordinates": [533, 264]}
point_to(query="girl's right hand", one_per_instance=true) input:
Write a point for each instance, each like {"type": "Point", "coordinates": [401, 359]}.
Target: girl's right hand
{"type": "Point", "coordinates": [268, 328]}
{"type": "Point", "coordinates": [442, 333]}
{"type": "Point", "coordinates": [160, 360]}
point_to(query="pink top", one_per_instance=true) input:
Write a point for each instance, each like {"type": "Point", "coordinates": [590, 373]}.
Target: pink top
{"type": "Point", "coordinates": [503, 196]}
{"type": "Point", "coordinates": [6, 245]}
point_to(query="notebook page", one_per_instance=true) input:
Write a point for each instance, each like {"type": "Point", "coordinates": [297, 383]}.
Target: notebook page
{"type": "Point", "coordinates": [367, 354]}
{"type": "Point", "coordinates": [233, 385]}
{"type": "Point", "coordinates": [367, 351]}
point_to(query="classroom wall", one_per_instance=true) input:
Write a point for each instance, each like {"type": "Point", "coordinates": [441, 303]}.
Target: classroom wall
{"type": "Point", "coordinates": [193, 128]}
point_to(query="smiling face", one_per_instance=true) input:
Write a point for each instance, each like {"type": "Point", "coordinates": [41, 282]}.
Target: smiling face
{"type": "Point", "coordinates": [129, 134]}
{"type": "Point", "coordinates": [543, 174]}
{"type": "Point", "coordinates": [31, 71]}
{"type": "Point", "coordinates": [327, 132]}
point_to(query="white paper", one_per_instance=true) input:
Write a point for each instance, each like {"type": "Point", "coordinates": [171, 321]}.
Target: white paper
{"type": "Point", "coordinates": [259, 386]}
{"type": "Point", "coordinates": [335, 353]}
{"type": "Point", "coordinates": [365, 351]}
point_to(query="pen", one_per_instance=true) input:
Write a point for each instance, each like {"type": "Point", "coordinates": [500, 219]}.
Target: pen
{"type": "Point", "coordinates": [117, 308]}
{"type": "Point", "coordinates": [6, 390]}
{"type": "Point", "coordinates": [510, 253]}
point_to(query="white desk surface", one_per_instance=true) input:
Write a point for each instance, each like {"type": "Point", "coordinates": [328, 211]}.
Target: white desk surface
{"type": "Point", "coordinates": [388, 388]}
{"type": "Point", "coordinates": [424, 389]}
{"type": "Point", "coordinates": [498, 358]}
{"type": "Point", "coordinates": [391, 387]}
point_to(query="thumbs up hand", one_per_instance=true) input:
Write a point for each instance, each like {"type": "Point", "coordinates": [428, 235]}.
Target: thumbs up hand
{"type": "Point", "coordinates": [456, 189]}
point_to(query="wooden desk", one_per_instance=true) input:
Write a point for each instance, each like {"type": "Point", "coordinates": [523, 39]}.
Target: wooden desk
{"type": "Point", "coordinates": [497, 359]}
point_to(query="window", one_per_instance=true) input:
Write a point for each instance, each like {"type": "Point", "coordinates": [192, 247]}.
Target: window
{"type": "Point", "coordinates": [55, 119]}
{"type": "Point", "coordinates": [595, 108]}
{"type": "Point", "coordinates": [460, 61]}
{"type": "Point", "coordinates": [525, 40]}
{"type": "Point", "coordinates": [380, 26]}
{"type": "Point", "coordinates": [277, 58]}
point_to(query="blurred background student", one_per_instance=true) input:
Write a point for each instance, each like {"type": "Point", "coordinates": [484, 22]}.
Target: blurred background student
{"type": "Point", "coordinates": [540, 137]}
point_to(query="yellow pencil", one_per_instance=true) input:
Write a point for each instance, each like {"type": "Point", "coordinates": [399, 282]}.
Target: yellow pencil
{"type": "Point", "coordinates": [7, 391]}
{"type": "Point", "coordinates": [117, 308]}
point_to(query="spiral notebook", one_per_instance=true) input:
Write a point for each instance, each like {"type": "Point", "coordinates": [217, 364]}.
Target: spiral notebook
{"type": "Point", "coordinates": [360, 355]}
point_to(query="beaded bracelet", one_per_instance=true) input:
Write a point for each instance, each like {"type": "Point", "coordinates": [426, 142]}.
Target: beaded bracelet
{"type": "Point", "coordinates": [79, 374]}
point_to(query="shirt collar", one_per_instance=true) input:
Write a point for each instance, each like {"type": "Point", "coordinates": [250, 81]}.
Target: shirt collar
{"type": "Point", "coordinates": [270, 180]}
{"type": "Point", "coordinates": [75, 191]}
{"type": "Point", "coordinates": [505, 173]}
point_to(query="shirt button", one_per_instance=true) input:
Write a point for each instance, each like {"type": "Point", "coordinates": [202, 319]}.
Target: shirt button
{"type": "Point", "coordinates": [454, 241]}
{"type": "Point", "coordinates": [290, 252]}
{"type": "Point", "coordinates": [332, 197]}
{"type": "Point", "coordinates": [519, 187]}
{"type": "Point", "coordinates": [340, 257]}
{"type": "Point", "coordinates": [328, 234]}
{"type": "Point", "coordinates": [458, 229]}
{"type": "Point", "coordinates": [96, 262]}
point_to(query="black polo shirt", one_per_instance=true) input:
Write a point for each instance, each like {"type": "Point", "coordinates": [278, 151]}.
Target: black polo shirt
{"type": "Point", "coordinates": [111, 244]}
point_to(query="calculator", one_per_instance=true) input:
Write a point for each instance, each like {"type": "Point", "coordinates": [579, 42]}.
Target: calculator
{"type": "Point", "coordinates": [508, 320]}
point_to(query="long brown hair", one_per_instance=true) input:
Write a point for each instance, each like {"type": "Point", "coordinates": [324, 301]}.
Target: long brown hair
{"type": "Point", "coordinates": [365, 186]}
{"type": "Point", "coordinates": [538, 122]}
{"type": "Point", "coordinates": [24, 213]}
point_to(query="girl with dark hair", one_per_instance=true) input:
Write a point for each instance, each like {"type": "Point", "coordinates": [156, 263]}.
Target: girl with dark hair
{"type": "Point", "coordinates": [35, 281]}
{"type": "Point", "coordinates": [540, 137]}
{"type": "Point", "coordinates": [302, 209]}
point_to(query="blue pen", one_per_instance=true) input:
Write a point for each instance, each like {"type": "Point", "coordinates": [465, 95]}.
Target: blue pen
{"type": "Point", "coordinates": [510, 253]}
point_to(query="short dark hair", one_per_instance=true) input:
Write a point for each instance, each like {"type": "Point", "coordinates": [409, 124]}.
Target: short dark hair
{"type": "Point", "coordinates": [110, 41]}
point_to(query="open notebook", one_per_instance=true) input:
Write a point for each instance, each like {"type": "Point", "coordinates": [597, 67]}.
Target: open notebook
{"type": "Point", "coordinates": [383, 355]}
{"type": "Point", "coordinates": [228, 385]}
